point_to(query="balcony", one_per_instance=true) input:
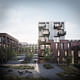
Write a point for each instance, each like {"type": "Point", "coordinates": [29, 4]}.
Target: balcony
{"type": "Point", "coordinates": [42, 25]}
{"type": "Point", "coordinates": [42, 47]}
{"type": "Point", "coordinates": [46, 32]}
{"type": "Point", "coordinates": [47, 45]}
{"type": "Point", "coordinates": [40, 33]}
{"type": "Point", "coordinates": [41, 22]}
{"type": "Point", "coordinates": [61, 33]}
{"type": "Point", "coordinates": [42, 39]}
{"type": "Point", "coordinates": [58, 25]}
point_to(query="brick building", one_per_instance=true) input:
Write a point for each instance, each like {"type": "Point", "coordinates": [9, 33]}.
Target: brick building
{"type": "Point", "coordinates": [66, 48]}
{"type": "Point", "coordinates": [43, 41]}
{"type": "Point", "coordinates": [49, 31]}
{"type": "Point", "coordinates": [52, 35]}
{"type": "Point", "coordinates": [7, 43]}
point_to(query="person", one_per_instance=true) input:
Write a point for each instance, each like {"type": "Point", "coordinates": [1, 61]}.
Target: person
{"type": "Point", "coordinates": [35, 61]}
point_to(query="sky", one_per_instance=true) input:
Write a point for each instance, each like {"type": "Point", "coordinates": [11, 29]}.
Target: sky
{"type": "Point", "coordinates": [20, 18]}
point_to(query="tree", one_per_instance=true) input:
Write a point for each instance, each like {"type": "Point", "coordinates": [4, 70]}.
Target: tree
{"type": "Point", "coordinates": [48, 54]}
{"type": "Point", "coordinates": [68, 60]}
{"type": "Point", "coordinates": [29, 54]}
{"type": "Point", "coordinates": [2, 54]}
{"type": "Point", "coordinates": [11, 52]}
{"type": "Point", "coordinates": [28, 58]}
{"type": "Point", "coordinates": [47, 51]}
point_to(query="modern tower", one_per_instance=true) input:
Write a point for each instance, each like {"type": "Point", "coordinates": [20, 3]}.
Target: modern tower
{"type": "Point", "coordinates": [49, 31]}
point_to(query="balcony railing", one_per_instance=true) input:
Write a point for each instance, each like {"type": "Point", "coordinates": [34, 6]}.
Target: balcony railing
{"type": "Point", "coordinates": [42, 25]}
{"type": "Point", "coordinates": [46, 32]}
{"type": "Point", "coordinates": [59, 25]}
{"type": "Point", "coordinates": [61, 33]}
{"type": "Point", "coordinates": [42, 39]}
{"type": "Point", "coordinates": [41, 47]}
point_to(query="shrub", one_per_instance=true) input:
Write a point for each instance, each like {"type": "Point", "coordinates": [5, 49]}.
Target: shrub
{"type": "Point", "coordinates": [48, 66]}
{"type": "Point", "coordinates": [28, 58]}
{"type": "Point", "coordinates": [22, 67]}
{"type": "Point", "coordinates": [77, 66]}
{"type": "Point", "coordinates": [12, 77]}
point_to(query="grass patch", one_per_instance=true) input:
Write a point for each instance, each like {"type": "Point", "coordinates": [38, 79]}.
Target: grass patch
{"type": "Point", "coordinates": [24, 62]}
{"type": "Point", "coordinates": [48, 66]}
{"type": "Point", "coordinates": [22, 67]}
{"type": "Point", "coordinates": [11, 77]}
{"type": "Point", "coordinates": [77, 66]}
{"type": "Point", "coordinates": [70, 73]}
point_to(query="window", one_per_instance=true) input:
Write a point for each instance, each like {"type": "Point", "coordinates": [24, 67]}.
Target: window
{"type": "Point", "coordinates": [72, 53]}
{"type": "Point", "coordinates": [63, 59]}
{"type": "Point", "coordinates": [0, 39]}
{"type": "Point", "coordinates": [42, 39]}
{"type": "Point", "coordinates": [65, 53]}
{"type": "Point", "coordinates": [46, 31]}
{"type": "Point", "coordinates": [42, 53]}
{"type": "Point", "coordinates": [78, 53]}
{"type": "Point", "coordinates": [56, 39]}
{"type": "Point", "coordinates": [58, 53]}
{"type": "Point", "coordinates": [4, 45]}
{"type": "Point", "coordinates": [46, 38]}
{"type": "Point", "coordinates": [47, 46]}
{"type": "Point", "coordinates": [58, 60]}
{"type": "Point", "coordinates": [40, 33]}
{"type": "Point", "coordinates": [56, 45]}
{"type": "Point", "coordinates": [61, 45]}
{"type": "Point", "coordinates": [41, 46]}
{"type": "Point", "coordinates": [68, 45]}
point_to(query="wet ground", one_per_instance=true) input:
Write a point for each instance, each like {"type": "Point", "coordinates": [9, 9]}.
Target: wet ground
{"type": "Point", "coordinates": [38, 71]}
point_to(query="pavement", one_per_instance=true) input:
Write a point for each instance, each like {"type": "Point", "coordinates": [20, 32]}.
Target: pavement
{"type": "Point", "coordinates": [48, 73]}
{"type": "Point", "coordinates": [38, 71]}
{"type": "Point", "coordinates": [17, 60]}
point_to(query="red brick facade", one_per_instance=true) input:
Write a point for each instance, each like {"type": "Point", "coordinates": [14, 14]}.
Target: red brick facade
{"type": "Point", "coordinates": [64, 48]}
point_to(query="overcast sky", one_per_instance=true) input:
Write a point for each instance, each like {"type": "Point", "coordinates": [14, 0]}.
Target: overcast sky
{"type": "Point", "coordinates": [20, 18]}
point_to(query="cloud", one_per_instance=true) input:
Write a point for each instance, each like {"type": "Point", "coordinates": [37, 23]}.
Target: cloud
{"type": "Point", "coordinates": [72, 30]}
{"type": "Point", "coordinates": [20, 17]}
